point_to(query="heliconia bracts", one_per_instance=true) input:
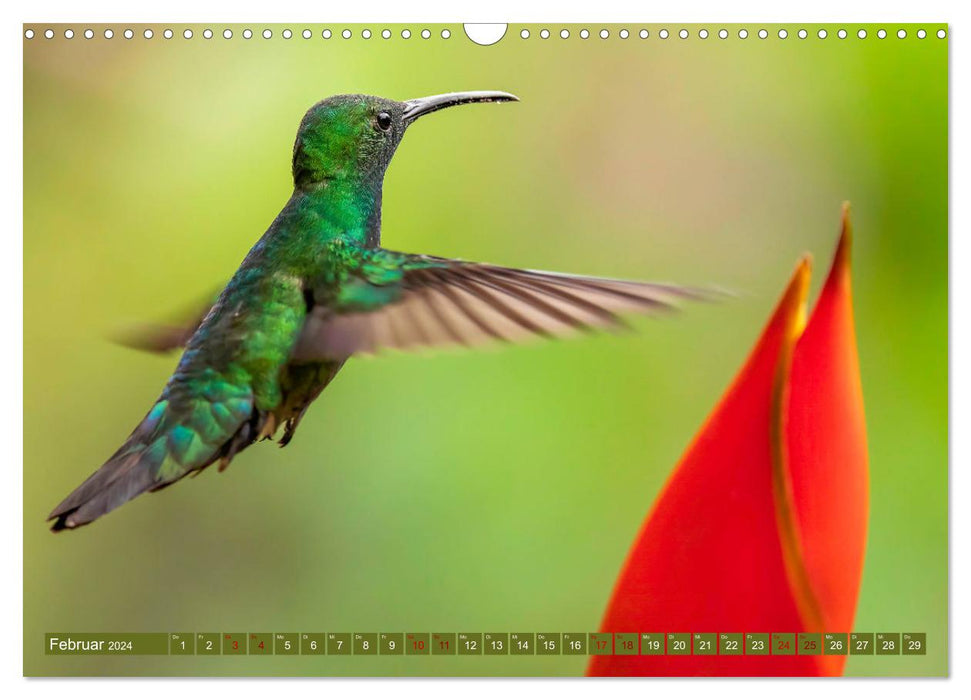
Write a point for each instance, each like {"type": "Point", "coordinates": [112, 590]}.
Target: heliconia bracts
{"type": "Point", "coordinates": [762, 525]}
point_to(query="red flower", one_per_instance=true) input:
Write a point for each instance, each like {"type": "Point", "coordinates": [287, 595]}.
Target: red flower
{"type": "Point", "coordinates": [762, 525]}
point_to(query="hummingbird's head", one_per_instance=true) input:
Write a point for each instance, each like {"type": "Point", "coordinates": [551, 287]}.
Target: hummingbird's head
{"type": "Point", "coordinates": [355, 136]}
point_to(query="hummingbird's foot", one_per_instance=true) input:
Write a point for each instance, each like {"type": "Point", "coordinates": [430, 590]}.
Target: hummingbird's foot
{"type": "Point", "coordinates": [269, 428]}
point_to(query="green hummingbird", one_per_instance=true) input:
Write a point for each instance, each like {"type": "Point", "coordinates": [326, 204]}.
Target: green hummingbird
{"type": "Point", "coordinates": [317, 288]}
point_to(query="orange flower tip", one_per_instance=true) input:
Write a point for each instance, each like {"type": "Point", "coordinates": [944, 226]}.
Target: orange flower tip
{"type": "Point", "coordinates": [799, 284]}
{"type": "Point", "coordinates": [792, 305]}
{"type": "Point", "coordinates": [841, 258]}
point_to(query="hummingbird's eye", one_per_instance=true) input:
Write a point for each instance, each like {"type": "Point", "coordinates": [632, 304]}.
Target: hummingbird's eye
{"type": "Point", "coordinates": [384, 121]}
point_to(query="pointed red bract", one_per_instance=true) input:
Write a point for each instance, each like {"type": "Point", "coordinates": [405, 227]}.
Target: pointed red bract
{"type": "Point", "coordinates": [826, 451]}
{"type": "Point", "coordinates": [761, 526]}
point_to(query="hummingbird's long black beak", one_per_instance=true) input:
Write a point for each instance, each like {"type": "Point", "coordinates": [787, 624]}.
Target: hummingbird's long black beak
{"type": "Point", "coordinates": [427, 105]}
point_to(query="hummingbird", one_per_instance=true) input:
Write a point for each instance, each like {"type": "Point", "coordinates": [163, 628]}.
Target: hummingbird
{"type": "Point", "coordinates": [317, 288]}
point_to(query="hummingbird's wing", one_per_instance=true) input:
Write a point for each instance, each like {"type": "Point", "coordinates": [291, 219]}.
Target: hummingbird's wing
{"type": "Point", "coordinates": [165, 337]}
{"type": "Point", "coordinates": [402, 301]}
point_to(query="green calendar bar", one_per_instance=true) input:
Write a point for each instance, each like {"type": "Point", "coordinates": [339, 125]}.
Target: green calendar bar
{"type": "Point", "coordinates": [487, 644]}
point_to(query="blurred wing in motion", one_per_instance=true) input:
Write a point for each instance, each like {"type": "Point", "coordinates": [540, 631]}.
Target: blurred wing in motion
{"type": "Point", "coordinates": [402, 301]}
{"type": "Point", "coordinates": [165, 337]}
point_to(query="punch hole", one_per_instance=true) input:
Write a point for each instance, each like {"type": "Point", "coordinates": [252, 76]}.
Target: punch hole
{"type": "Point", "coordinates": [446, 33]}
{"type": "Point", "coordinates": [941, 34]}
{"type": "Point", "coordinates": [564, 33]}
{"type": "Point", "coordinates": [703, 33]}
{"type": "Point", "coordinates": [187, 34]}
{"type": "Point", "coordinates": [643, 34]}
{"type": "Point", "coordinates": [346, 34]}
{"type": "Point", "coordinates": [228, 34]}
{"type": "Point", "coordinates": [584, 33]}
{"type": "Point", "coordinates": [743, 33]}
{"type": "Point", "coordinates": [68, 33]}
{"type": "Point", "coordinates": [366, 34]}
{"type": "Point", "coordinates": [763, 34]}
{"type": "Point", "coordinates": [425, 34]}
{"type": "Point", "coordinates": [861, 33]}
{"type": "Point", "coordinates": [287, 34]}
{"type": "Point", "coordinates": [921, 34]}
{"type": "Point", "coordinates": [524, 34]}
{"type": "Point", "coordinates": [247, 33]}
{"type": "Point", "coordinates": [821, 34]}
{"type": "Point", "coordinates": [88, 34]}
{"type": "Point", "coordinates": [148, 34]}
{"type": "Point", "coordinates": [386, 34]}
{"type": "Point", "coordinates": [683, 34]}
{"type": "Point", "coordinates": [129, 33]}
{"type": "Point", "coordinates": [663, 33]}
{"type": "Point", "coordinates": [267, 34]}
{"type": "Point", "coordinates": [882, 34]}
{"type": "Point", "coordinates": [783, 34]}
{"type": "Point", "coordinates": [487, 34]}
{"type": "Point", "coordinates": [841, 33]}
{"type": "Point", "coordinates": [29, 33]}
{"type": "Point", "coordinates": [902, 34]}
{"type": "Point", "coordinates": [405, 33]}
{"type": "Point", "coordinates": [49, 34]}
{"type": "Point", "coordinates": [207, 34]}
{"type": "Point", "coordinates": [803, 33]}
{"type": "Point", "coordinates": [624, 34]}
{"type": "Point", "coordinates": [722, 33]}
{"type": "Point", "coordinates": [306, 34]}
{"type": "Point", "coordinates": [544, 34]}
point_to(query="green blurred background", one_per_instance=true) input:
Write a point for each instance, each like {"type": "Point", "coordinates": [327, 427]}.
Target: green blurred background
{"type": "Point", "coordinates": [486, 491]}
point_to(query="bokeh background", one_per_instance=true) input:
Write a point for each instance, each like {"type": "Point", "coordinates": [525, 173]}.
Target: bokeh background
{"type": "Point", "coordinates": [487, 491]}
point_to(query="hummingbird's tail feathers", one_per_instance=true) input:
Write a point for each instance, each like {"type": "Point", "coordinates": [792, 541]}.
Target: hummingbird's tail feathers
{"type": "Point", "coordinates": [170, 443]}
